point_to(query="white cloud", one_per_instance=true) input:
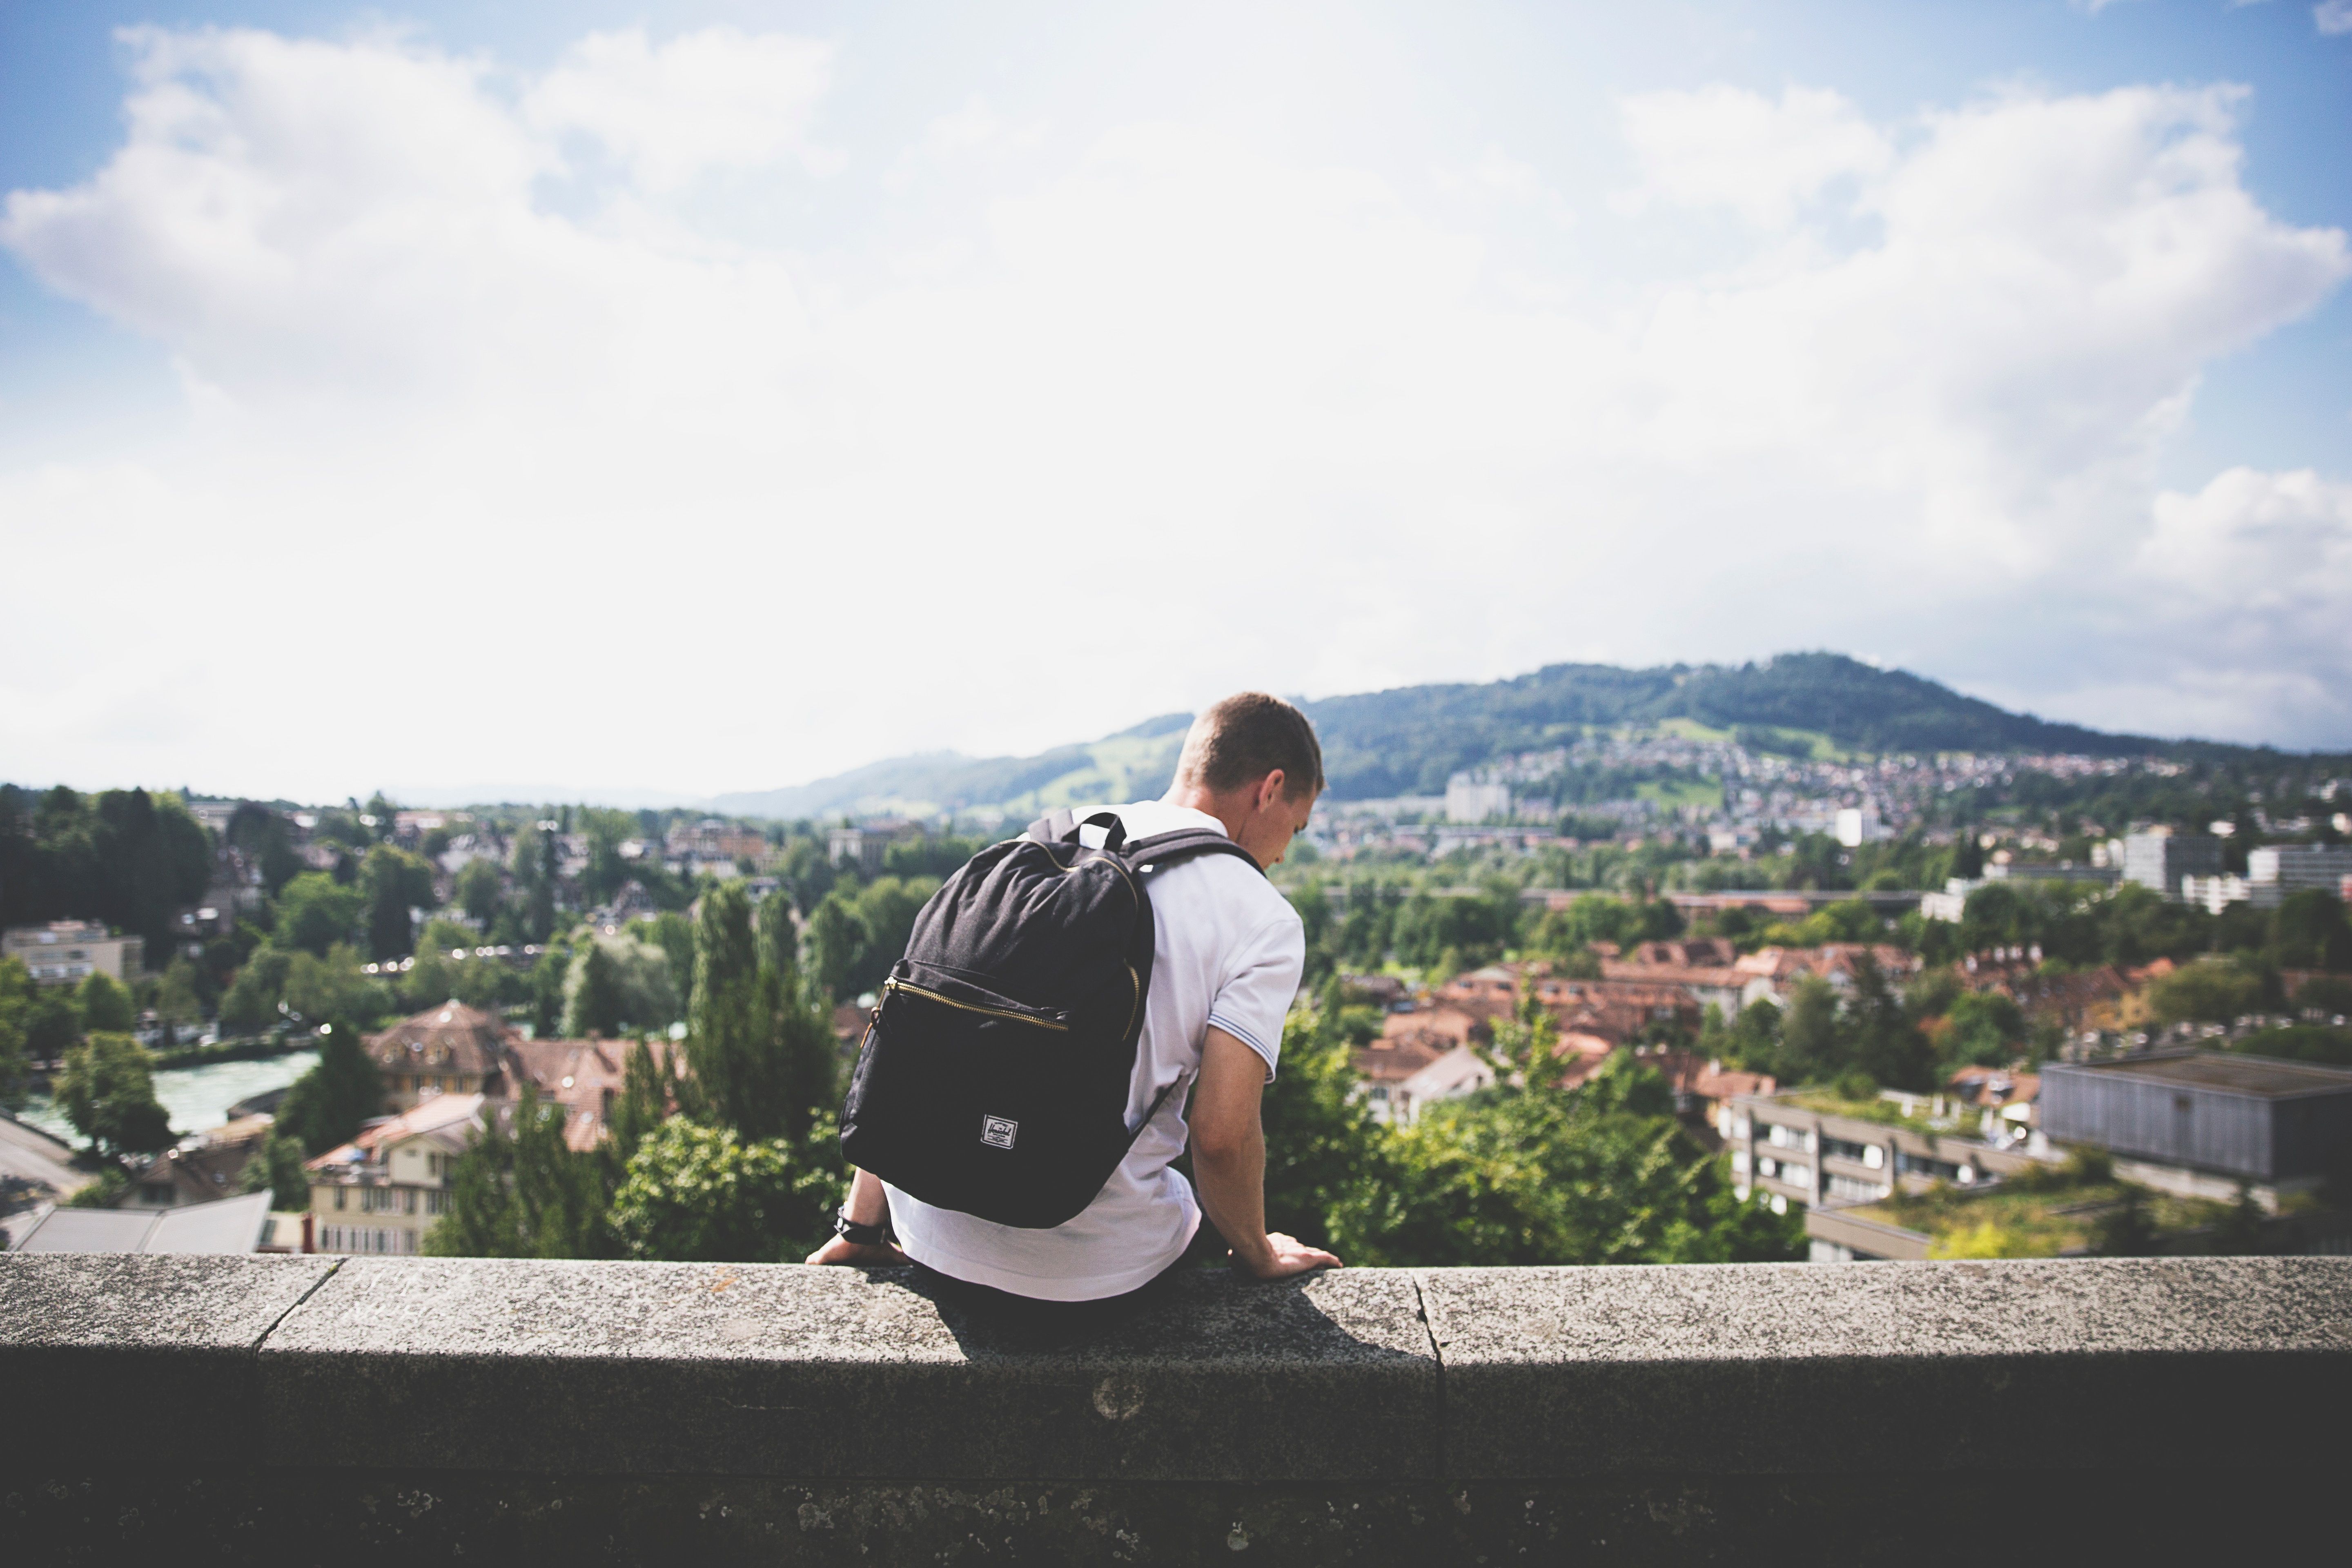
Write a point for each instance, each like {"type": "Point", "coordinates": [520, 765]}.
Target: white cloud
{"type": "Point", "coordinates": [2333, 17]}
{"type": "Point", "coordinates": [712, 99]}
{"type": "Point", "coordinates": [472, 488]}
{"type": "Point", "coordinates": [1725, 146]}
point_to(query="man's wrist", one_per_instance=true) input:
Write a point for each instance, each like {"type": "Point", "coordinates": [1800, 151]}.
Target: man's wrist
{"type": "Point", "coordinates": [862, 1234]}
{"type": "Point", "coordinates": [1254, 1257]}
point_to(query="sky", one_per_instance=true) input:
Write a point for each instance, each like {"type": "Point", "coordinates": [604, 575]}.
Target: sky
{"type": "Point", "coordinates": [599, 399]}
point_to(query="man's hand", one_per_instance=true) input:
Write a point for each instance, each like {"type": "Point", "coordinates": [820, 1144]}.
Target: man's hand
{"type": "Point", "coordinates": [1284, 1256]}
{"type": "Point", "coordinates": [840, 1249]}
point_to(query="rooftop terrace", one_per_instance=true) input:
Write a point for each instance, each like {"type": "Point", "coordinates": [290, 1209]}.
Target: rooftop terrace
{"type": "Point", "coordinates": [300, 1408]}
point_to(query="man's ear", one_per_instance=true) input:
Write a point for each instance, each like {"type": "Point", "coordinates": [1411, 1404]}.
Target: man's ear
{"type": "Point", "coordinates": [1269, 789]}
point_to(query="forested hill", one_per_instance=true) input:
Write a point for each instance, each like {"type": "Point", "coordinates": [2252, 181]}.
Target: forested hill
{"type": "Point", "coordinates": [1408, 741]}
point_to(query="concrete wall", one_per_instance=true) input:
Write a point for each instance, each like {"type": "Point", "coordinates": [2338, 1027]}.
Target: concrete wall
{"type": "Point", "coordinates": [306, 1409]}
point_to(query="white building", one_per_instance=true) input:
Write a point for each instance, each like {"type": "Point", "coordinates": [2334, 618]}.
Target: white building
{"type": "Point", "coordinates": [1859, 825]}
{"type": "Point", "coordinates": [1476, 798]}
{"type": "Point", "coordinates": [2278, 869]}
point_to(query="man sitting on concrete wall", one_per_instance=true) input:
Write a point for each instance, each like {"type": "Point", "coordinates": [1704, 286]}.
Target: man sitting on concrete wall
{"type": "Point", "coordinates": [1228, 951]}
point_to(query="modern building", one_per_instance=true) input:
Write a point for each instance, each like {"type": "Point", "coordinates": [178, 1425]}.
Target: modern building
{"type": "Point", "coordinates": [2203, 1123]}
{"type": "Point", "coordinates": [2161, 859]}
{"type": "Point", "coordinates": [67, 953]}
{"type": "Point", "coordinates": [1806, 1147]}
{"type": "Point", "coordinates": [2278, 869]}
{"type": "Point", "coordinates": [2214, 894]}
{"type": "Point", "coordinates": [382, 1192]}
{"type": "Point", "coordinates": [1857, 826]}
{"type": "Point", "coordinates": [1472, 797]}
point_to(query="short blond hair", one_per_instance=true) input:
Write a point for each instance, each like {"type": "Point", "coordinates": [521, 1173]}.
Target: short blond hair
{"type": "Point", "coordinates": [1246, 736]}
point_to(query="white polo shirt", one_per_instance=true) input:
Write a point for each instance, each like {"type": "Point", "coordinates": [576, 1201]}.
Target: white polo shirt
{"type": "Point", "coordinates": [1228, 950]}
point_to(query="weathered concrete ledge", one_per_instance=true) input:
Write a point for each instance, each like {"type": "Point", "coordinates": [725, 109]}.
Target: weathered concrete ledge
{"type": "Point", "coordinates": [287, 1408]}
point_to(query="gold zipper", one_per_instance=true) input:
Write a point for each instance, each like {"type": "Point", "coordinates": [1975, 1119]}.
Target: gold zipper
{"type": "Point", "coordinates": [927, 996]}
{"type": "Point", "coordinates": [1136, 981]}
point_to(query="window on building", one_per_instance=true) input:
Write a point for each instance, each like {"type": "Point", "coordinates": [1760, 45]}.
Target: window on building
{"type": "Point", "coordinates": [1853, 1188]}
{"type": "Point", "coordinates": [1844, 1148]}
{"type": "Point", "coordinates": [1909, 1164]}
{"type": "Point", "coordinates": [339, 1197]}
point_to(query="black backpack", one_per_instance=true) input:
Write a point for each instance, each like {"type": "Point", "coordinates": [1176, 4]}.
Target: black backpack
{"type": "Point", "coordinates": [993, 1078]}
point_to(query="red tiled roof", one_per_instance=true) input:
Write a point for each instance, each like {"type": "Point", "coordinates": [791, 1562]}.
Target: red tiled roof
{"type": "Point", "coordinates": [452, 1037]}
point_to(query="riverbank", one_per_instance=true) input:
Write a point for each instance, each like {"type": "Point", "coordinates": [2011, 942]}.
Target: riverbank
{"type": "Point", "coordinates": [196, 1099]}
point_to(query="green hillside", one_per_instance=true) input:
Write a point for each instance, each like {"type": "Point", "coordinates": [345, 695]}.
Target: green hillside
{"type": "Point", "coordinates": [1410, 740]}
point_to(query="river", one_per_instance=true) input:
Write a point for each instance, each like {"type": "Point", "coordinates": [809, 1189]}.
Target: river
{"type": "Point", "coordinates": [197, 1098]}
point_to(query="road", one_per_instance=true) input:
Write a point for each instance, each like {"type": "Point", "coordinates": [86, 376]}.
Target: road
{"type": "Point", "coordinates": [33, 1155]}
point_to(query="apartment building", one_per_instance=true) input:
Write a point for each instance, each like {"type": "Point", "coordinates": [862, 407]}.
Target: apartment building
{"type": "Point", "coordinates": [2161, 859]}
{"type": "Point", "coordinates": [383, 1190]}
{"type": "Point", "coordinates": [67, 953]}
{"type": "Point", "coordinates": [1808, 1147]}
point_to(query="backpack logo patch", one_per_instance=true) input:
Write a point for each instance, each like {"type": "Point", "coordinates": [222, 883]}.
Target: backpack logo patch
{"type": "Point", "coordinates": [998, 1131]}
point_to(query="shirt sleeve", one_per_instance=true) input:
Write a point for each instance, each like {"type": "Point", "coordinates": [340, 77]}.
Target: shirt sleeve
{"type": "Point", "coordinates": [1256, 995]}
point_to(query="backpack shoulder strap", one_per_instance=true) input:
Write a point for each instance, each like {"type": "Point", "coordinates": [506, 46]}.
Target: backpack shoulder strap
{"type": "Point", "coordinates": [1184, 844]}
{"type": "Point", "coordinates": [1062, 828]}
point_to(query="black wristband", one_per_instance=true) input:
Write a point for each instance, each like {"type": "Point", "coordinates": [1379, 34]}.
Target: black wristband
{"type": "Point", "coordinates": [857, 1235]}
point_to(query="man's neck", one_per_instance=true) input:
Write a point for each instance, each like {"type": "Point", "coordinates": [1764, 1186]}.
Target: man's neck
{"type": "Point", "coordinates": [1195, 798]}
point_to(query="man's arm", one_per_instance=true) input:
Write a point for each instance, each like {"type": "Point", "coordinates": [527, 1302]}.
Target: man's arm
{"type": "Point", "coordinates": [1229, 1161]}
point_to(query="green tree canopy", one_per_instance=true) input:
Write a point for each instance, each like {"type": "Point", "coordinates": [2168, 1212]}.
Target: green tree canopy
{"type": "Point", "coordinates": [394, 882]}
{"type": "Point", "coordinates": [522, 1191]}
{"type": "Point", "coordinates": [315, 912]}
{"type": "Point", "coordinates": [2213, 992]}
{"type": "Point", "coordinates": [108, 1092]}
{"type": "Point", "coordinates": [105, 1004]}
{"type": "Point", "coordinates": [481, 890]}
{"type": "Point", "coordinates": [325, 1106]}
{"type": "Point", "coordinates": [15, 1013]}
{"type": "Point", "coordinates": [693, 1193]}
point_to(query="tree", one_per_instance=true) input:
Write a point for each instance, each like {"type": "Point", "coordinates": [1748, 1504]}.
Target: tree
{"type": "Point", "coordinates": [2309, 931]}
{"type": "Point", "coordinates": [277, 1169]}
{"type": "Point", "coordinates": [836, 941]}
{"type": "Point", "coordinates": [1982, 1028]}
{"type": "Point", "coordinates": [547, 983]}
{"type": "Point", "coordinates": [700, 1194]}
{"type": "Point", "coordinates": [394, 882]}
{"type": "Point", "coordinates": [809, 1068]}
{"type": "Point", "coordinates": [105, 1004]}
{"type": "Point", "coordinates": [15, 1011]}
{"type": "Point", "coordinates": [251, 1001]}
{"type": "Point", "coordinates": [326, 1105]}
{"type": "Point", "coordinates": [181, 999]}
{"type": "Point", "coordinates": [2211, 992]}
{"type": "Point", "coordinates": [1810, 1047]}
{"type": "Point", "coordinates": [1885, 1042]}
{"type": "Point", "coordinates": [108, 1090]}
{"type": "Point", "coordinates": [644, 1101]}
{"type": "Point", "coordinates": [1602, 1174]}
{"type": "Point", "coordinates": [331, 987]}
{"type": "Point", "coordinates": [758, 1045]}
{"type": "Point", "coordinates": [1322, 1145]}
{"type": "Point", "coordinates": [597, 1006]}
{"type": "Point", "coordinates": [315, 912]}
{"type": "Point", "coordinates": [481, 890]}
{"type": "Point", "coordinates": [521, 1191]}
